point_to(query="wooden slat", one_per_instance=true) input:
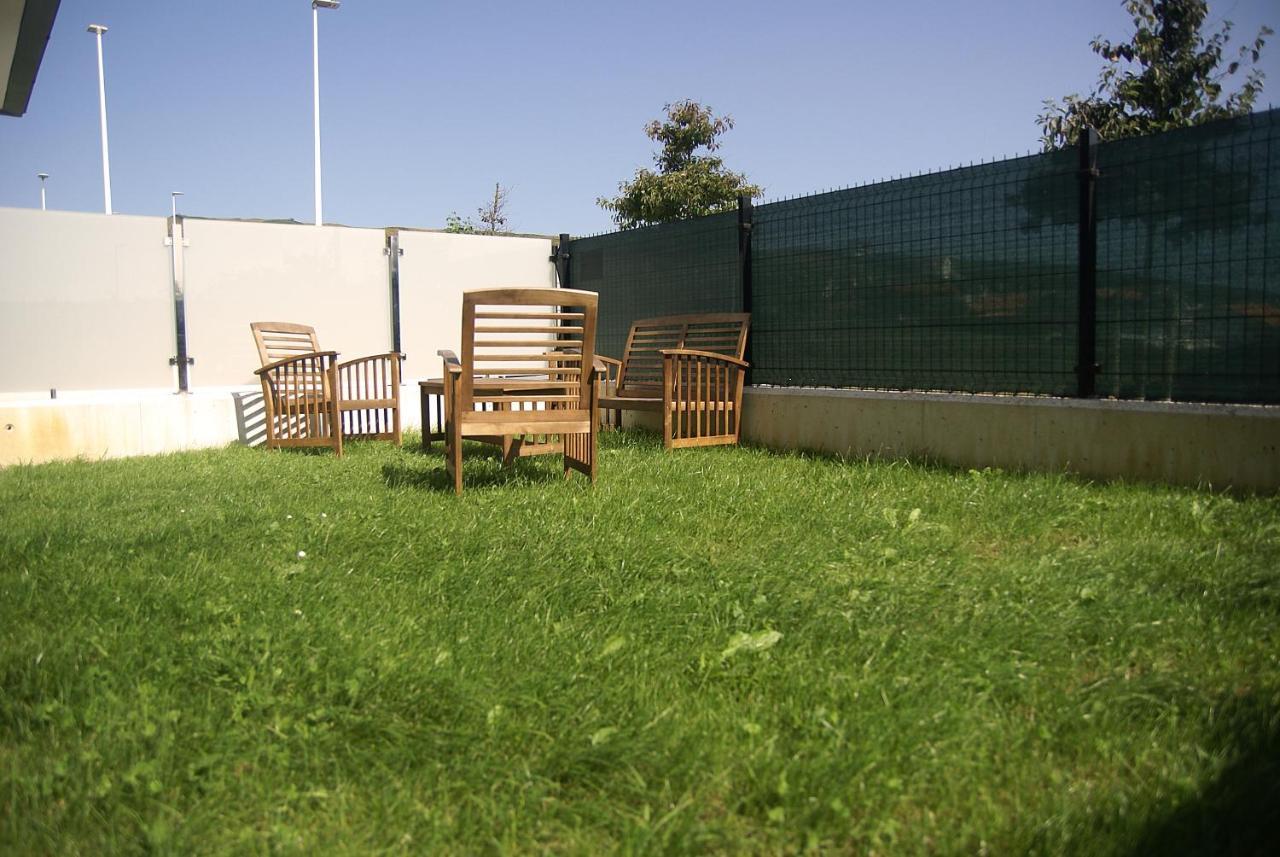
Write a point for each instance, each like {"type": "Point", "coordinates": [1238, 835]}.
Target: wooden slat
{"type": "Point", "coordinates": [550, 330]}
{"type": "Point", "coordinates": [518, 370]}
{"type": "Point", "coordinates": [522, 314]}
{"type": "Point", "coordinates": [545, 355]}
{"type": "Point", "coordinates": [533, 397]}
{"type": "Point", "coordinates": [525, 343]}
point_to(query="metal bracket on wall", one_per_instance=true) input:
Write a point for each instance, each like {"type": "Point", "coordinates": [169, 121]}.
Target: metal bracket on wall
{"type": "Point", "coordinates": [182, 360]}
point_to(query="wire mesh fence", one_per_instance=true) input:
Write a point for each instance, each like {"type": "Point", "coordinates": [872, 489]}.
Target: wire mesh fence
{"type": "Point", "coordinates": [1188, 261]}
{"type": "Point", "coordinates": [938, 282]}
{"type": "Point", "coordinates": [674, 268]}
{"type": "Point", "coordinates": [971, 280]}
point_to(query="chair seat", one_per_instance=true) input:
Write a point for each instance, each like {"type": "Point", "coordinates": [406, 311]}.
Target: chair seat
{"type": "Point", "coordinates": [559, 421]}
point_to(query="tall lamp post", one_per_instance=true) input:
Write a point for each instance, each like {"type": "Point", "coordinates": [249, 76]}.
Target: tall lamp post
{"type": "Point", "coordinates": [42, 177]}
{"type": "Point", "coordinates": [316, 6]}
{"type": "Point", "coordinates": [173, 201]}
{"type": "Point", "coordinates": [98, 30]}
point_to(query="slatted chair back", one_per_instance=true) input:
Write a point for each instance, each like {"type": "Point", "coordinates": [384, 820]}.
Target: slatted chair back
{"type": "Point", "coordinates": [526, 368]}
{"type": "Point", "coordinates": [278, 340]}
{"type": "Point", "coordinates": [640, 375]}
{"type": "Point", "coordinates": [523, 350]}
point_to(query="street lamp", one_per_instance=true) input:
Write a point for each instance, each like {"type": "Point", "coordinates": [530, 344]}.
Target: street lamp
{"type": "Point", "coordinates": [316, 6]}
{"type": "Point", "coordinates": [42, 177]}
{"type": "Point", "coordinates": [98, 30]}
{"type": "Point", "coordinates": [173, 202]}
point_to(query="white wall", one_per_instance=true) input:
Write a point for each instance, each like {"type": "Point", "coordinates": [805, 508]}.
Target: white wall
{"type": "Point", "coordinates": [86, 302]}
{"type": "Point", "coordinates": [437, 268]}
{"type": "Point", "coordinates": [331, 277]}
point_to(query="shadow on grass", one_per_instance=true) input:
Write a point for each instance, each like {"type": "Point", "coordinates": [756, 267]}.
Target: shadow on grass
{"type": "Point", "coordinates": [1239, 812]}
{"type": "Point", "coordinates": [481, 468]}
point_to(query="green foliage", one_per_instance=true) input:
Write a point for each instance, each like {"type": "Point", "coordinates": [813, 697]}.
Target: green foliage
{"type": "Point", "coordinates": [725, 651]}
{"type": "Point", "coordinates": [687, 184]}
{"type": "Point", "coordinates": [455, 223]}
{"type": "Point", "coordinates": [1167, 76]}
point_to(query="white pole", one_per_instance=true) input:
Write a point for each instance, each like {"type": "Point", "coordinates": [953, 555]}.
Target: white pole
{"type": "Point", "coordinates": [102, 112]}
{"type": "Point", "coordinates": [315, 77]}
{"type": "Point", "coordinates": [42, 177]}
{"type": "Point", "coordinates": [173, 200]}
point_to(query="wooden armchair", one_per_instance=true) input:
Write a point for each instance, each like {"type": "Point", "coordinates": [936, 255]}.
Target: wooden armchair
{"type": "Point", "coordinates": [362, 395]}
{"type": "Point", "coordinates": [526, 370]}
{"type": "Point", "coordinates": [690, 369]}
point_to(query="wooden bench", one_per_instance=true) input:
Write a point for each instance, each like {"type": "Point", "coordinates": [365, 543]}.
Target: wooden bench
{"type": "Point", "coordinates": [689, 368]}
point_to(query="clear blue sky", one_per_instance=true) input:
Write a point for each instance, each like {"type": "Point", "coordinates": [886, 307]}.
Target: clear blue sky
{"type": "Point", "coordinates": [425, 105]}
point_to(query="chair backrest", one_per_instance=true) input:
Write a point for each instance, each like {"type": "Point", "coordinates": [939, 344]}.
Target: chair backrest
{"type": "Point", "coordinates": [641, 372]}
{"type": "Point", "coordinates": [277, 340]}
{"type": "Point", "coordinates": [527, 349]}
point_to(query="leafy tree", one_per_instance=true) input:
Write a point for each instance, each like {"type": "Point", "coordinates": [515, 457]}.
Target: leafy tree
{"type": "Point", "coordinates": [1167, 76]}
{"type": "Point", "coordinates": [687, 184]}
{"type": "Point", "coordinates": [455, 223]}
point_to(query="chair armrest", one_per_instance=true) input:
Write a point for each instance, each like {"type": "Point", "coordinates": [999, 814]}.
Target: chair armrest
{"type": "Point", "coordinates": [310, 355]}
{"type": "Point", "coordinates": [706, 355]}
{"type": "Point", "coordinates": [451, 363]}
{"type": "Point", "coordinates": [604, 363]}
{"type": "Point", "coordinates": [390, 355]}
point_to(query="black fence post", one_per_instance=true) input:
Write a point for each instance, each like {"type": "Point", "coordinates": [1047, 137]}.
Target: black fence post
{"type": "Point", "coordinates": [394, 253]}
{"type": "Point", "coordinates": [745, 222]}
{"type": "Point", "coordinates": [561, 259]}
{"type": "Point", "coordinates": [1087, 301]}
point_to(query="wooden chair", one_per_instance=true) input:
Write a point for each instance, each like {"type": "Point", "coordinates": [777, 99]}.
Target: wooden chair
{"type": "Point", "coordinates": [363, 395]}
{"type": "Point", "coordinates": [526, 370]}
{"type": "Point", "coordinates": [690, 369]}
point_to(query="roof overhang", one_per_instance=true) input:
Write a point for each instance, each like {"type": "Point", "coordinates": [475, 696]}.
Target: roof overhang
{"type": "Point", "coordinates": [24, 31]}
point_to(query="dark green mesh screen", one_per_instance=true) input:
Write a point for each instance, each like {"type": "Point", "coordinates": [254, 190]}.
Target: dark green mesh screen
{"type": "Point", "coordinates": [690, 266]}
{"type": "Point", "coordinates": [1189, 264]}
{"type": "Point", "coordinates": [968, 280]}
{"type": "Point", "coordinates": [963, 280]}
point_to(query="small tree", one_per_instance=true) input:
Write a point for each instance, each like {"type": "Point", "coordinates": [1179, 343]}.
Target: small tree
{"type": "Point", "coordinates": [493, 214]}
{"type": "Point", "coordinates": [687, 184]}
{"type": "Point", "coordinates": [455, 223]}
{"type": "Point", "coordinates": [1167, 76]}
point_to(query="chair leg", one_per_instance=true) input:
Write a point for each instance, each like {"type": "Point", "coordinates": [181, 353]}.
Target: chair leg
{"type": "Point", "coordinates": [453, 454]}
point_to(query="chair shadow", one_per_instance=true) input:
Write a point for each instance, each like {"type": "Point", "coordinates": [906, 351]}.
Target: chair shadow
{"type": "Point", "coordinates": [251, 418]}
{"type": "Point", "coordinates": [1239, 812]}
{"type": "Point", "coordinates": [481, 468]}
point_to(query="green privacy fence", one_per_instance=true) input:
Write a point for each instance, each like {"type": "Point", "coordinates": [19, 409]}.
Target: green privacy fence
{"type": "Point", "coordinates": [688, 266]}
{"type": "Point", "coordinates": [1142, 268]}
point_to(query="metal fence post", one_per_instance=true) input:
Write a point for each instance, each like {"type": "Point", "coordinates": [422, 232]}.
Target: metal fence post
{"type": "Point", "coordinates": [745, 222]}
{"type": "Point", "coordinates": [176, 241]}
{"type": "Point", "coordinates": [393, 252]}
{"type": "Point", "coordinates": [561, 260]}
{"type": "Point", "coordinates": [1087, 301]}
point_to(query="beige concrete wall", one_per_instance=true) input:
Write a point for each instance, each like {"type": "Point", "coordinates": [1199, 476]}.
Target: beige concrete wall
{"type": "Point", "coordinates": [331, 277]}
{"type": "Point", "coordinates": [437, 268]}
{"type": "Point", "coordinates": [85, 302]}
{"type": "Point", "coordinates": [1225, 446]}
{"type": "Point", "coordinates": [115, 426]}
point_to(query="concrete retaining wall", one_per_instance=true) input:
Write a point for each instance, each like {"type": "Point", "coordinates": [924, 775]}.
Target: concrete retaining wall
{"type": "Point", "coordinates": [1223, 446]}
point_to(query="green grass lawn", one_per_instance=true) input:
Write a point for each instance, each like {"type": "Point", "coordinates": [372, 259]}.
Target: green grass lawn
{"type": "Point", "coordinates": [725, 650]}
